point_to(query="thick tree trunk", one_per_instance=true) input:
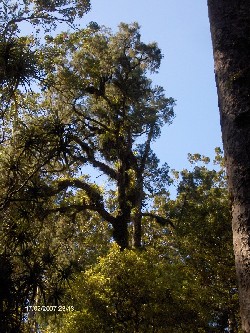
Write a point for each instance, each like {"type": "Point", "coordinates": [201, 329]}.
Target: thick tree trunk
{"type": "Point", "coordinates": [230, 30]}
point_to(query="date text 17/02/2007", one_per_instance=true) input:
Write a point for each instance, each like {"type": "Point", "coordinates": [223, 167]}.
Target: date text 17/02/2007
{"type": "Point", "coordinates": [49, 308]}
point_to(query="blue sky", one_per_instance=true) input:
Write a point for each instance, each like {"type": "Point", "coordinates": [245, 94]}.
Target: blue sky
{"type": "Point", "coordinates": [181, 29]}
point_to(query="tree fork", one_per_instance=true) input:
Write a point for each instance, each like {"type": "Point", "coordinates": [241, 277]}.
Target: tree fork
{"type": "Point", "coordinates": [230, 30]}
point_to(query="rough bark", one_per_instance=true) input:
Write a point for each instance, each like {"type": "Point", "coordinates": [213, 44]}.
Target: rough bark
{"type": "Point", "coordinates": [137, 226]}
{"type": "Point", "coordinates": [230, 30]}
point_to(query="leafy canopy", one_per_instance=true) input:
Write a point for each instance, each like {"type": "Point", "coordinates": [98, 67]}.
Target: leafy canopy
{"type": "Point", "coordinates": [100, 108]}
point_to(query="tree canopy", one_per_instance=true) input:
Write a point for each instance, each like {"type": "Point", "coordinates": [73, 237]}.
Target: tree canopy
{"type": "Point", "coordinates": [99, 108]}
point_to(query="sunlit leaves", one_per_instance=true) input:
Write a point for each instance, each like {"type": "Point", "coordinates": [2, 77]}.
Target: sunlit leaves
{"type": "Point", "coordinates": [130, 290]}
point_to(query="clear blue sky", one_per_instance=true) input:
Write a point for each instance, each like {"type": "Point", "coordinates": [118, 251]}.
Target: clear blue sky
{"type": "Point", "coordinates": [181, 29]}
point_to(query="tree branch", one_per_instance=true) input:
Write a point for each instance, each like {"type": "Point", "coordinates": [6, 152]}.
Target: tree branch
{"type": "Point", "coordinates": [146, 150]}
{"type": "Point", "coordinates": [91, 158]}
{"type": "Point", "coordinates": [95, 197]}
{"type": "Point", "coordinates": [161, 220]}
{"type": "Point", "coordinates": [12, 191]}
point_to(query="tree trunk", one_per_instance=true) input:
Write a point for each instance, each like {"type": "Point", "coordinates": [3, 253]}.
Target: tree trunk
{"type": "Point", "coordinates": [230, 30]}
{"type": "Point", "coordinates": [120, 232]}
{"type": "Point", "coordinates": [137, 234]}
{"type": "Point", "coordinates": [137, 217]}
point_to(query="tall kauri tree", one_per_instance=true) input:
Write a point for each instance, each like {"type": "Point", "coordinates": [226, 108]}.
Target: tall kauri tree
{"type": "Point", "coordinates": [230, 29]}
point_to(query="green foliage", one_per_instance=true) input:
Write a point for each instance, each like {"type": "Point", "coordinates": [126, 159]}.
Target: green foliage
{"type": "Point", "coordinates": [41, 247]}
{"type": "Point", "coordinates": [39, 13]}
{"type": "Point", "coordinates": [202, 236]}
{"type": "Point", "coordinates": [177, 282]}
{"type": "Point", "coordinates": [19, 55]}
{"type": "Point", "coordinates": [42, 251]}
{"type": "Point", "coordinates": [132, 291]}
{"type": "Point", "coordinates": [17, 61]}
